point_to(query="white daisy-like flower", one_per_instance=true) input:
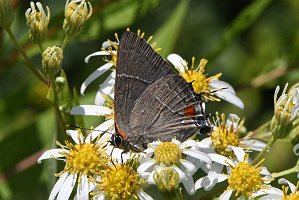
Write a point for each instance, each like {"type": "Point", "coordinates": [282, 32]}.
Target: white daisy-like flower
{"type": "Point", "coordinates": [109, 48]}
{"type": "Point", "coordinates": [277, 194]}
{"type": "Point", "coordinates": [225, 134]}
{"type": "Point", "coordinates": [120, 181]}
{"type": "Point", "coordinates": [175, 155]}
{"type": "Point", "coordinates": [209, 87]}
{"type": "Point", "coordinates": [82, 160]}
{"type": "Point", "coordinates": [244, 180]}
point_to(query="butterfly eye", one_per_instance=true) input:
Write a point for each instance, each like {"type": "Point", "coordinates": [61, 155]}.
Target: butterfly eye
{"type": "Point", "coordinates": [116, 140]}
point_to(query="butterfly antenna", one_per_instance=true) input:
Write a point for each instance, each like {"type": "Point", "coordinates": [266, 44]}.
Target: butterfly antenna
{"type": "Point", "coordinates": [87, 129]}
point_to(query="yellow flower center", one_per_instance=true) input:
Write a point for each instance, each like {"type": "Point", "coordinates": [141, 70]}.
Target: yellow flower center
{"type": "Point", "coordinates": [85, 159]}
{"type": "Point", "coordinates": [109, 102]}
{"type": "Point", "coordinates": [168, 153]}
{"type": "Point", "coordinates": [222, 137]}
{"type": "Point", "coordinates": [120, 182]}
{"type": "Point", "coordinates": [200, 82]}
{"type": "Point", "coordinates": [293, 196]}
{"type": "Point", "coordinates": [245, 179]}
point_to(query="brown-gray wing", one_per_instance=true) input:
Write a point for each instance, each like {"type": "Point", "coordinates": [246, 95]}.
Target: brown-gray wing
{"type": "Point", "coordinates": [137, 67]}
{"type": "Point", "coordinates": [159, 113]}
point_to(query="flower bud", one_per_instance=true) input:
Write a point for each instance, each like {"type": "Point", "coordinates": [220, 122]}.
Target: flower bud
{"type": "Point", "coordinates": [6, 14]}
{"type": "Point", "coordinates": [286, 108]}
{"type": "Point", "coordinates": [52, 59]}
{"type": "Point", "coordinates": [60, 81]}
{"type": "Point", "coordinates": [77, 12]}
{"type": "Point", "coordinates": [37, 21]}
{"type": "Point", "coordinates": [167, 180]}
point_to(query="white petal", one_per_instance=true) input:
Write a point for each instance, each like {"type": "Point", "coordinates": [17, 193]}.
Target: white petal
{"type": "Point", "coordinates": [145, 166]}
{"type": "Point", "coordinates": [253, 144]}
{"type": "Point", "coordinates": [220, 159]}
{"type": "Point", "coordinates": [107, 86]}
{"type": "Point", "coordinates": [151, 179]}
{"type": "Point", "coordinates": [98, 53]}
{"type": "Point", "coordinates": [67, 187]}
{"type": "Point", "coordinates": [82, 189]}
{"type": "Point", "coordinates": [100, 196]}
{"type": "Point", "coordinates": [189, 166]}
{"type": "Point", "coordinates": [177, 61]}
{"type": "Point", "coordinates": [101, 70]}
{"type": "Point", "coordinates": [231, 120]}
{"type": "Point", "coordinates": [188, 143]}
{"type": "Point", "coordinates": [92, 110]}
{"type": "Point", "coordinates": [182, 175]}
{"type": "Point", "coordinates": [58, 185]}
{"type": "Point", "coordinates": [205, 145]}
{"type": "Point", "coordinates": [296, 149]}
{"type": "Point", "coordinates": [189, 185]}
{"type": "Point", "coordinates": [226, 195]}
{"type": "Point", "coordinates": [229, 97]}
{"type": "Point", "coordinates": [99, 130]}
{"type": "Point", "coordinates": [239, 152]}
{"type": "Point", "coordinates": [197, 154]}
{"type": "Point", "coordinates": [271, 197]}
{"type": "Point", "coordinates": [285, 181]}
{"type": "Point", "coordinates": [218, 85]}
{"type": "Point", "coordinates": [75, 136]}
{"type": "Point", "coordinates": [56, 153]}
{"type": "Point", "coordinates": [144, 196]}
{"type": "Point", "coordinates": [207, 180]}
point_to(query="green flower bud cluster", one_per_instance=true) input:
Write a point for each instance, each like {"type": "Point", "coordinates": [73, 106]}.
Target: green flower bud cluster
{"type": "Point", "coordinates": [286, 109]}
{"type": "Point", "coordinates": [167, 180]}
{"type": "Point", "coordinates": [37, 21]}
{"type": "Point", "coordinates": [51, 59]}
{"type": "Point", "coordinates": [77, 12]}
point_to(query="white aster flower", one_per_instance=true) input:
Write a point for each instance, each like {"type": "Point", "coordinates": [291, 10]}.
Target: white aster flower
{"type": "Point", "coordinates": [120, 181]}
{"type": "Point", "coordinates": [82, 160]}
{"type": "Point", "coordinates": [244, 180]}
{"type": "Point", "coordinates": [174, 155]}
{"type": "Point", "coordinates": [277, 194]}
{"type": "Point", "coordinates": [109, 48]}
{"type": "Point", "coordinates": [209, 87]}
{"type": "Point", "coordinates": [225, 134]}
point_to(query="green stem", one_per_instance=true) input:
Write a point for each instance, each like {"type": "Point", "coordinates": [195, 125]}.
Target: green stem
{"type": "Point", "coordinates": [261, 154]}
{"type": "Point", "coordinates": [36, 72]}
{"type": "Point", "coordinates": [40, 45]}
{"type": "Point", "coordinates": [65, 42]}
{"type": "Point", "coordinates": [285, 172]}
{"type": "Point", "coordinates": [59, 117]}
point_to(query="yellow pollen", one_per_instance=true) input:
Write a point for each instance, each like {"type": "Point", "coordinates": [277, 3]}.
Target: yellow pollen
{"type": "Point", "coordinates": [245, 179]}
{"type": "Point", "coordinates": [168, 153]}
{"type": "Point", "coordinates": [120, 182]}
{"type": "Point", "coordinates": [200, 82]}
{"type": "Point", "coordinates": [293, 196]}
{"type": "Point", "coordinates": [85, 159]}
{"type": "Point", "coordinates": [222, 137]}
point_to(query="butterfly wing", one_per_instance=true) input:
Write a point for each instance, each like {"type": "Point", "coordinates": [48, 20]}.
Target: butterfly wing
{"type": "Point", "coordinates": [160, 112]}
{"type": "Point", "coordinates": [137, 67]}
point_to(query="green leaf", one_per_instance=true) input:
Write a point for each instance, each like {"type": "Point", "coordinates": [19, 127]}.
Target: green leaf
{"type": "Point", "coordinates": [244, 20]}
{"type": "Point", "coordinates": [167, 35]}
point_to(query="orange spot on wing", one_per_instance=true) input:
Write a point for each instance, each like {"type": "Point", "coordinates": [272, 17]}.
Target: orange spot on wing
{"type": "Point", "coordinates": [190, 111]}
{"type": "Point", "coordinates": [123, 135]}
